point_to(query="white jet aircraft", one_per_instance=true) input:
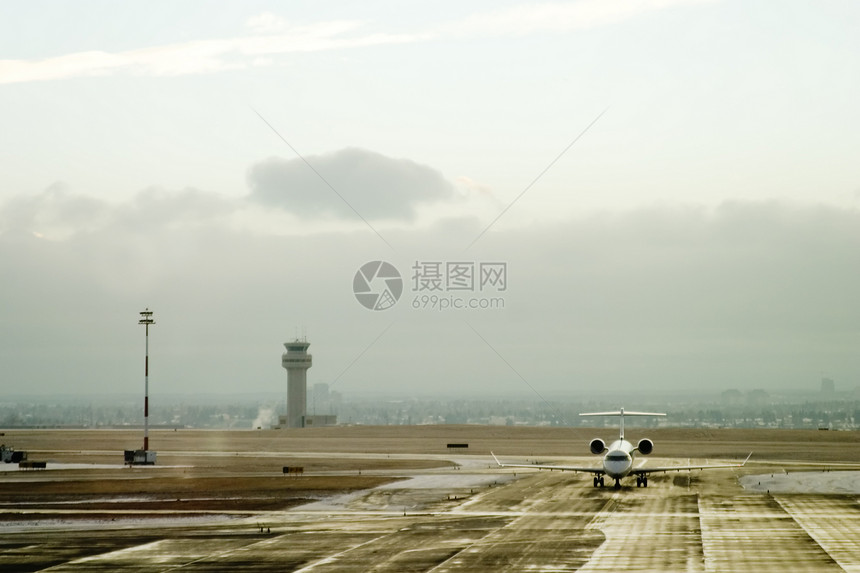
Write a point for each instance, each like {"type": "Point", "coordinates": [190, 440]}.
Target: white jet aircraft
{"type": "Point", "coordinates": [619, 457]}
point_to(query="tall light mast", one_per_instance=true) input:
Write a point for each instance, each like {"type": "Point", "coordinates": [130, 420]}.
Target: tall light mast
{"type": "Point", "coordinates": [146, 320]}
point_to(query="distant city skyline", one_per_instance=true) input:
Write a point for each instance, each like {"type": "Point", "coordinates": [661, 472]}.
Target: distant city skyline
{"type": "Point", "coordinates": [730, 408]}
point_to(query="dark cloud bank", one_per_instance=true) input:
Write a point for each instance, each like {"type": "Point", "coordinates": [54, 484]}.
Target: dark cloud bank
{"type": "Point", "coordinates": [376, 186]}
{"type": "Point", "coordinates": [757, 294]}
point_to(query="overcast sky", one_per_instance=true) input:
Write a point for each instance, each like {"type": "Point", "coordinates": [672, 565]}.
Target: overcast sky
{"type": "Point", "coordinates": [231, 166]}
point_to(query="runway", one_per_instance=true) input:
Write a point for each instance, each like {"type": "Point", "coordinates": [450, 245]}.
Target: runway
{"type": "Point", "coordinates": [390, 499]}
{"type": "Point", "coordinates": [478, 518]}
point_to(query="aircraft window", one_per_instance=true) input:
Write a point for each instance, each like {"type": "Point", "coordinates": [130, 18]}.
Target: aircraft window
{"type": "Point", "coordinates": [616, 457]}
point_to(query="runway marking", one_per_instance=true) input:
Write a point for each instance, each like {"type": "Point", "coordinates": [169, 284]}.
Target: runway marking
{"type": "Point", "coordinates": [753, 533]}
{"type": "Point", "coordinates": [833, 524]}
{"type": "Point", "coordinates": [480, 541]}
{"type": "Point", "coordinates": [643, 540]}
{"type": "Point", "coordinates": [336, 556]}
{"type": "Point", "coordinates": [220, 555]}
{"type": "Point", "coordinates": [533, 540]}
{"type": "Point", "coordinates": [147, 548]}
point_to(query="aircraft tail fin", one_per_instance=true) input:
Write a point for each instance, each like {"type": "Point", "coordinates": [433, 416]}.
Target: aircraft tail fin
{"type": "Point", "coordinates": [621, 413]}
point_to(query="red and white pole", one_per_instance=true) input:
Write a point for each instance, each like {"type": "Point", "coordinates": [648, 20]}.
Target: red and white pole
{"type": "Point", "coordinates": [146, 320]}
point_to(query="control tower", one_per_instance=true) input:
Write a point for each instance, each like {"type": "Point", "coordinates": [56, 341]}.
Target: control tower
{"type": "Point", "coordinates": [297, 361]}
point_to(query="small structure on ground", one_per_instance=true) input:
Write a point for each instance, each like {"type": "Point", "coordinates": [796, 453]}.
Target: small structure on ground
{"type": "Point", "coordinates": [11, 456]}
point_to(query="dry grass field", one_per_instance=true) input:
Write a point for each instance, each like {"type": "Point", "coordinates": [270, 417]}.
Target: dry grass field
{"type": "Point", "coordinates": [104, 446]}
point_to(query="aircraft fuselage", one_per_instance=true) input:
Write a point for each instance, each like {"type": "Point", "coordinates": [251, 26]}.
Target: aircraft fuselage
{"type": "Point", "coordinates": [618, 461]}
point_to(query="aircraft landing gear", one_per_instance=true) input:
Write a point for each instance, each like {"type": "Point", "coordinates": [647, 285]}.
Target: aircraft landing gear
{"type": "Point", "coordinates": [617, 484]}
{"type": "Point", "coordinates": [641, 481]}
{"type": "Point", "coordinates": [598, 481]}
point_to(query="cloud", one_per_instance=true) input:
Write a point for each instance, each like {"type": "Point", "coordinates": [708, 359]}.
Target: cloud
{"type": "Point", "coordinates": [525, 19]}
{"type": "Point", "coordinates": [680, 298]}
{"type": "Point", "coordinates": [188, 208]}
{"type": "Point", "coordinates": [376, 186]}
{"type": "Point", "coordinates": [267, 23]}
{"type": "Point", "coordinates": [745, 271]}
{"type": "Point", "coordinates": [55, 213]}
{"type": "Point", "coordinates": [473, 186]}
{"type": "Point", "coordinates": [683, 298]}
{"type": "Point", "coordinates": [273, 36]}
{"type": "Point", "coordinates": [198, 57]}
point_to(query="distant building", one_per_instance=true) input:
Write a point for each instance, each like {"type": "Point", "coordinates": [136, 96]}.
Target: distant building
{"type": "Point", "coordinates": [828, 386]}
{"type": "Point", "coordinates": [320, 420]}
{"type": "Point", "coordinates": [321, 398]}
{"type": "Point", "coordinates": [758, 397]}
{"type": "Point", "coordinates": [732, 396]}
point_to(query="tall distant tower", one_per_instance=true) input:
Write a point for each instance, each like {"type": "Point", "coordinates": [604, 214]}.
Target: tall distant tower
{"type": "Point", "coordinates": [297, 361]}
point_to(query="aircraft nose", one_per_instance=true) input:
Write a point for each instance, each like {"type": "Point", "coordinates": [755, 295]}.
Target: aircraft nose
{"type": "Point", "coordinates": [618, 462]}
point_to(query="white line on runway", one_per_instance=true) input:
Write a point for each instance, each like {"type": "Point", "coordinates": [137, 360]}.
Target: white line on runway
{"type": "Point", "coordinates": [844, 550]}
{"type": "Point", "coordinates": [333, 558]}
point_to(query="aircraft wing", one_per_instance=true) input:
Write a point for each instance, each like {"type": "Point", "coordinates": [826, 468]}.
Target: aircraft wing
{"type": "Point", "coordinates": [636, 471]}
{"type": "Point", "coordinates": [639, 471]}
{"type": "Point", "coordinates": [591, 470]}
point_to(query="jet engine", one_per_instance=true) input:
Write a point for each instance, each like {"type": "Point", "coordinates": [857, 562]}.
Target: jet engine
{"type": "Point", "coordinates": [597, 446]}
{"type": "Point", "coordinates": [645, 446]}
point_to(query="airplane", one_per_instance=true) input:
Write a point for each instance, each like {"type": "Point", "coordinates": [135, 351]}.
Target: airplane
{"type": "Point", "coordinates": [619, 457]}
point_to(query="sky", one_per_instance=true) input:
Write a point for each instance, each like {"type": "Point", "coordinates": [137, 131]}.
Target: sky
{"type": "Point", "coordinates": [573, 196]}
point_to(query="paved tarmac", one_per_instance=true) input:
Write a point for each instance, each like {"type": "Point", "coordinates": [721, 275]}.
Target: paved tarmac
{"type": "Point", "coordinates": [476, 518]}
